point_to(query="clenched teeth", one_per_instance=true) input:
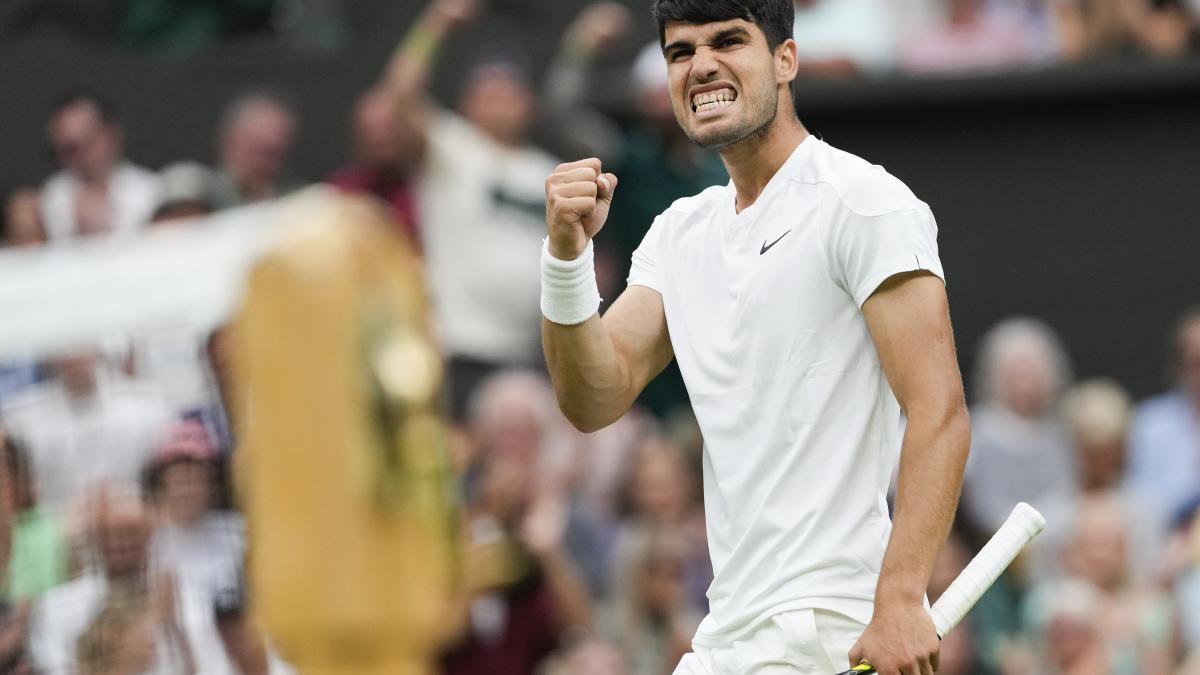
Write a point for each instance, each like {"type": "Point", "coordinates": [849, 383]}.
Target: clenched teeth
{"type": "Point", "coordinates": [711, 100]}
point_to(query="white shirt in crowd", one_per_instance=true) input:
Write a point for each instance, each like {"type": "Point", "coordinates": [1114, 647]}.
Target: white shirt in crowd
{"type": "Point", "coordinates": [134, 194]}
{"type": "Point", "coordinates": [483, 215]}
{"type": "Point", "coordinates": [64, 614]}
{"type": "Point", "coordinates": [76, 445]}
{"type": "Point", "coordinates": [206, 556]}
{"type": "Point", "coordinates": [801, 430]}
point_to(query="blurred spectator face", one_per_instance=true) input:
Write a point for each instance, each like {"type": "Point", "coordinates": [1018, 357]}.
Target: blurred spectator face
{"type": "Point", "coordinates": [382, 140]}
{"type": "Point", "coordinates": [187, 489]}
{"type": "Point", "coordinates": [1189, 355]}
{"type": "Point", "coordinates": [23, 219]}
{"type": "Point", "coordinates": [1098, 413]}
{"type": "Point", "coordinates": [77, 372]}
{"type": "Point", "coordinates": [659, 489]}
{"type": "Point", "coordinates": [1022, 367]}
{"type": "Point", "coordinates": [1099, 551]}
{"type": "Point", "coordinates": [500, 101]}
{"type": "Point", "coordinates": [122, 534]}
{"type": "Point", "coordinates": [83, 141]}
{"type": "Point", "coordinates": [747, 75]}
{"type": "Point", "coordinates": [1072, 635]}
{"type": "Point", "coordinates": [1026, 383]}
{"type": "Point", "coordinates": [509, 416]}
{"type": "Point", "coordinates": [257, 141]}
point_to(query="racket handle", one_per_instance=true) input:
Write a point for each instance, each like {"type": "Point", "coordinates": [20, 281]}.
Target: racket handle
{"type": "Point", "coordinates": [1022, 525]}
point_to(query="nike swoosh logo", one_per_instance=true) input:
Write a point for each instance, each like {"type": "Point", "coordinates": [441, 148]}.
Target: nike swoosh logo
{"type": "Point", "coordinates": [767, 247]}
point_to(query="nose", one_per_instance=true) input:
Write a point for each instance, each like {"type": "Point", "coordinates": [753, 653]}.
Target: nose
{"type": "Point", "coordinates": [704, 64]}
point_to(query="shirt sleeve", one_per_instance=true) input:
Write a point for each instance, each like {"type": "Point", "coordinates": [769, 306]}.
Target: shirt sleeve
{"type": "Point", "coordinates": [867, 250]}
{"type": "Point", "coordinates": [645, 268]}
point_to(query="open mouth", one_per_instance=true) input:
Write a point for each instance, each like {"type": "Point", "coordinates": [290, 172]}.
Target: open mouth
{"type": "Point", "coordinates": [709, 101]}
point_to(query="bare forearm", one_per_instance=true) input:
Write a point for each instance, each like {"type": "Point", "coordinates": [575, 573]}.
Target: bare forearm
{"type": "Point", "coordinates": [932, 458]}
{"type": "Point", "coordinates": [408, 70]}
{"type": "Point", "coordinates": [590, 380]}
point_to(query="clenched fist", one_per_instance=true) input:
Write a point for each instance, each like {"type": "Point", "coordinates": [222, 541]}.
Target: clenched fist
{"type": "Point", "coordinates": [578, 195]}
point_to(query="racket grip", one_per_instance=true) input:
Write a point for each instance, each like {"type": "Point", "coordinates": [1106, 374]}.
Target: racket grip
{"type": "Point", "coordinates": [1022, 525]}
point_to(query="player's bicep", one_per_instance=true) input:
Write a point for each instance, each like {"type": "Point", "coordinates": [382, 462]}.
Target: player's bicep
{"type": "Point", "coordinates": [637, 324]}
{"type": "Point", "coordinates": [909, 320]}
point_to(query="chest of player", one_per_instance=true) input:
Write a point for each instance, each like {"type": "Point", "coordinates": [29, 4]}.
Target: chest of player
{"type": "Point", "coordinates": [753, 295]}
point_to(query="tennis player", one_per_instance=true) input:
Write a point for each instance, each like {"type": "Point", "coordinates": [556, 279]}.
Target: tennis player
{"type": "Point", "coordinates": [806, 306]}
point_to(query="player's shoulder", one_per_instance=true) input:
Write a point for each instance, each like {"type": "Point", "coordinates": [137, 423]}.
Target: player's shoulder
{"type": "Point", "coordinates": [860, 187]}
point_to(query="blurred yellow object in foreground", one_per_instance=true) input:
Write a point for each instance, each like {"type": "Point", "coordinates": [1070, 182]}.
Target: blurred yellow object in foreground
{"type": "Point", "coordinates": [342, 464]}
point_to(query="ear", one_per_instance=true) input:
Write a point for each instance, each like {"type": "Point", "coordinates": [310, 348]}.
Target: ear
{"type": "Point", "coordinates": [787, 62]}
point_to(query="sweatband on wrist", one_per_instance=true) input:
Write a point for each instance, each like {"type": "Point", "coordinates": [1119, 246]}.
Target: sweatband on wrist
{"type": "Point", "coordinates": [569, 292]}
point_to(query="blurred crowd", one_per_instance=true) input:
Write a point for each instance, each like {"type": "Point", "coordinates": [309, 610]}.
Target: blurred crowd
{"type": "Point", "coordinates": [123, 551]}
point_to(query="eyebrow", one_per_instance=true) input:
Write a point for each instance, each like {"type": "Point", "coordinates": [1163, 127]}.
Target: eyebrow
{"type": "Point", "coordinates": [736, 31]}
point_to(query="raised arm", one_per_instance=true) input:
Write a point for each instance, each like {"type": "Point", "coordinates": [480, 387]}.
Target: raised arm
{"type": "Point", "coordinates": [407, 73]}
{"type": "Point", "coordinates": [909, 321]}
{"type": "Point", "coordinates": [598, 365]}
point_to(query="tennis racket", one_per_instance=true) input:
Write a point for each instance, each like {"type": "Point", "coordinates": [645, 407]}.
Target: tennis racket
{"type": "Point", "coordinates": [1023, 524]}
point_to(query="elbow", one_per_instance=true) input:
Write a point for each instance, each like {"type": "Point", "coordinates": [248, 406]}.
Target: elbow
{"type": "Point", "coordinates": [585, 421]}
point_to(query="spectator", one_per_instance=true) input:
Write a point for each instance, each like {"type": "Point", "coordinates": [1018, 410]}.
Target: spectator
{"type": "Point", "coordinates": [1097, 413]}
{"type": "Point", "coordinates": [1022, 371]}
{"type": "Point", "coordinates": [1070, 641]}
{"type": "Point", "coordinates": [652, 617]}
{"type": "Point", "coordinates": [200, 544]}
{"type": "Point", "coordinates": [845, 38]}
{"type": "Point", "coordinates": [1135, 621]}
{"type": "Point", "coordinates": [661, 493]}
{"type": "Point", "coordinates": [117, 606]}
{"type": "Point", "coordinates": [387, 152]}
{"type": "Point", "coordinates": [514, 415]}
{"type": "Point", "coordinates": [39, 553]}
{"type": "Point", "coordinates": [23, 224]}
{"type": "Point", "coordinates": [528, 589]}
{"type": "Point", "coordinates": [1164, 441]}
{"type": "Point", "coordinates": [256, 135]}
{"type": "Point", "coordinates": [86, 428]}
{"type": "Point", "coordinates": [1092, 28]}
{"type": "Point", "coordinates": [971, 35]}
{"type": "Point", "coordinates": [97, 191]}
{"type": "Point", "coordinates": [196, 542]}
{"type": "Point", "coordinates": [482, 202]}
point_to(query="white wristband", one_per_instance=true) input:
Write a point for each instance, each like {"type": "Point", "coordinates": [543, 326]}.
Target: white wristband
{"type": "Point", "coordinates": [569, 292]}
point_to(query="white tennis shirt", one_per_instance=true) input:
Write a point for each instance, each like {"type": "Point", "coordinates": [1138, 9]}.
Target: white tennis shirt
{"type": "Point", "coordinates": [801, 430]}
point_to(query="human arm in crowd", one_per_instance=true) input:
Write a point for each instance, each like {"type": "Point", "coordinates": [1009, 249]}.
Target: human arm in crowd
{"type": "Point", "coordinates": [406, 76]}
{"type": "Point", "coordinates": [909, 320]}
{"type": "Point", "coordinates": [574, 127]}
{"type": "Point", "coordinates": [601, 365]}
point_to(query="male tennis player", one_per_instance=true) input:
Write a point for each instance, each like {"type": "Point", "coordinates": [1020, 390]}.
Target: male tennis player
{"type": "Point", "coordinates": [805, 304]}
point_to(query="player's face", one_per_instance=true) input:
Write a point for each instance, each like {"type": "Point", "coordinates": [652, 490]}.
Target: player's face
{"type": "Point", "coordinates": [723, 80]}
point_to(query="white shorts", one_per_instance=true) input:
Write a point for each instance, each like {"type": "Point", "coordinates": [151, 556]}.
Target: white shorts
{"type": "Point", "coordinates": [799, 642]}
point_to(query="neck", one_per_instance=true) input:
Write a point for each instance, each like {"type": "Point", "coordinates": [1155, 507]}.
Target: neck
{"type": "Point", "coordinates": [753, 162]}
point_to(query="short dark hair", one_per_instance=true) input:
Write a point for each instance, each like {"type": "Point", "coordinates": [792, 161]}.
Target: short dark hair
{"type": "Point", "coordinates": [774, 17]}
